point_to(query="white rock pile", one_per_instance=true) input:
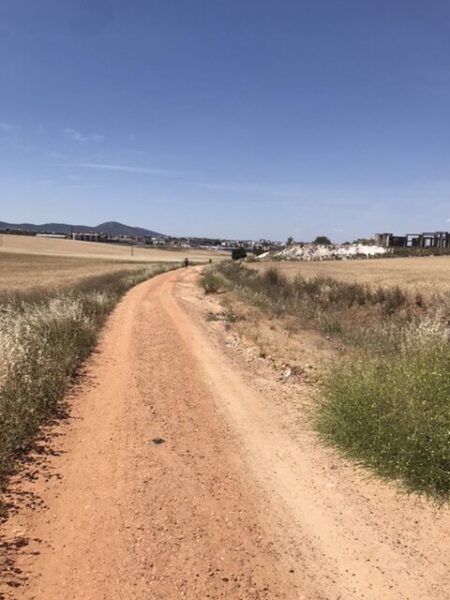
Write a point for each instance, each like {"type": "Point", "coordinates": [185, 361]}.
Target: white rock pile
{"type": "Point", "coordinates": [334, 251]}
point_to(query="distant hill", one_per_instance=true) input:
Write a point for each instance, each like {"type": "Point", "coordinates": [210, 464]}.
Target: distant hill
{"type": "Point", "coordinates": [110, 227]}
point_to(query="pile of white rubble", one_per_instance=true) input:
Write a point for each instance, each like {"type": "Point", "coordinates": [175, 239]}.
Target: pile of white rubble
{"type": "Point", "coordinates": [335, 251]}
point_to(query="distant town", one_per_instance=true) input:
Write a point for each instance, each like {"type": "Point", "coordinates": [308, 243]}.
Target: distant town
{"type": "Point", "coordinates": [117, 233]}
{"type": "Point", "coordinates": [179, 242]}
{"type": "Point", "coordinates": [139, 239]}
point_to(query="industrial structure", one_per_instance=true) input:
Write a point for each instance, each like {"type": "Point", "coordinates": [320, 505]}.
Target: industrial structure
{"type": "Point", "coordinates": [89, 236]}
{"type": "Point", "coordinates": [436, 239]}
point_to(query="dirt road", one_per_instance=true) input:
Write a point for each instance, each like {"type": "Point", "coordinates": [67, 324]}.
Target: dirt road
{"type": "Point", "coordinates": [175, 477]}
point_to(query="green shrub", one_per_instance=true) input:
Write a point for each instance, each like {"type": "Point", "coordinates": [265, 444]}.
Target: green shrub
{"type": "Point", "coordinates": [392, 413]}
{"type": "Point", "coordinates": [210, 282]}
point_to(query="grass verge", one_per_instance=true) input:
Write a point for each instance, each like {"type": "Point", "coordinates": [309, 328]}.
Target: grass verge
{"type": "Point", "coordinates": [386, 403]}
{"type": "Point", "coordinates": [333, 307]}
{"type": "Point", "coordinates": [210, 281]}
{"type": "Point", "coordinates": [44, 338]}
{"type": "Point", "coordinates": [392, 414]}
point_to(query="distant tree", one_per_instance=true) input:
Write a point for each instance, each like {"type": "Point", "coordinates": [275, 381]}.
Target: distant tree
{"type": "Point", "coordinates": [322, 240]}
{"type": "Point", "coordinates": [238, 253]}
{"type": "Point", "coordinates": [290, 241]}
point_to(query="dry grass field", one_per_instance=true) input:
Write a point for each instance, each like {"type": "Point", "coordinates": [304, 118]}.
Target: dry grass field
{"type": "Point", "coordinates": [72, 248]}
{"type": "Point", "coordinates": [21, 272]}
{"type": "Point", "coordinates": [30, 262]}
{"type": "Point", "coordinates": [427, 274]}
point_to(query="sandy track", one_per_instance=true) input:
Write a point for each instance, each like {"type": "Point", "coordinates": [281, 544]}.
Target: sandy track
{"type": "Point", "coordinates": [229, 505]}
{"type": "Point", "coordinates": [127, 518]}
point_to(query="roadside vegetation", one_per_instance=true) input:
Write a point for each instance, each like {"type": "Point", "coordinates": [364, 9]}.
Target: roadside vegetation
{"type": "Point", "coordinates": [391, 411]}
{"type": "Point", "coordinates": [44, 338]}
{"type": "Point", "coordinates": [322, 302]}
{"type": "Point", "coordinates": [211, 282]}
{"type": "Point", "coordinates": [385, 401]}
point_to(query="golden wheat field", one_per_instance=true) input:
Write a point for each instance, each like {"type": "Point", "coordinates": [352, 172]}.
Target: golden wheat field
{"type": "Point", "coordinates": [31, 262]}
{"type": "Point", "coordinates": [427, 274]}
{"type": "Point", "coordinates": [60, 247]}
{"type": "Point", "coordinates": [19, 272]}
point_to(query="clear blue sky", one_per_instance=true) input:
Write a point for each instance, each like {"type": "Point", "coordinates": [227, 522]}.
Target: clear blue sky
{"type": "Point", "coordinates": [236, 118]}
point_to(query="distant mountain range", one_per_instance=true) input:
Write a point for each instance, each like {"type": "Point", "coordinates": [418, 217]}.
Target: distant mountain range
{"type": "Point", "coordinates": [110, 228]}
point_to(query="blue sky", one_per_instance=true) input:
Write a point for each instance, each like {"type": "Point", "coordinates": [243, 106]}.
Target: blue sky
{"type": "Point", "coordinates": [234, 118]}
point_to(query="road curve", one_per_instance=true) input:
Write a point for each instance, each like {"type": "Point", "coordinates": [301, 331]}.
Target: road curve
{"type": "Point", "coordinates": [125, 517]}
{"type": "Point", "coordinates": [172, 479]}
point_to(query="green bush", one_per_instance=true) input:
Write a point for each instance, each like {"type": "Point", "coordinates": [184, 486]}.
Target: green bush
{"type": "Point", "coordinates": [392, 413]}
{"type": "Point", "coordinates": [210, 282]}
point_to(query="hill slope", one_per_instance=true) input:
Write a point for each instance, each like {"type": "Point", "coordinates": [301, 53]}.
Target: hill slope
{"type": "Point", "coordinates": [110, 227]}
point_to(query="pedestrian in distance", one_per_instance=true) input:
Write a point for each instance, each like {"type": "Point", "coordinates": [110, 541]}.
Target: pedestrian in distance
{"type": "Point", "coordinates": [186, 262]}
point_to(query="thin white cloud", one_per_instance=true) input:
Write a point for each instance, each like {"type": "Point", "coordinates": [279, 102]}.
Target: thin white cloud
{"type": "Point", "coordinates": [73, 134]}
{"type": "Point", "coordinates": [244, 188]}
{"type": "Point", "coordinates": [85, 185]}
{"type": "Point", "coordinates": [57, 155]}
{"type": "Point", "coordinates": [5, 126]}
{"type": "Point", "coordinates": [129, 169]}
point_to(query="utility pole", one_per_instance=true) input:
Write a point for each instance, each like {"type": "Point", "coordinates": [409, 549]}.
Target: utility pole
{"type": "Point", "coordinates": [132, 250]}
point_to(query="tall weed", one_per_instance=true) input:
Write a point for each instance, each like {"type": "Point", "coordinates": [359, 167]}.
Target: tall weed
{"type": "Point", "coordinates": [331, 306]}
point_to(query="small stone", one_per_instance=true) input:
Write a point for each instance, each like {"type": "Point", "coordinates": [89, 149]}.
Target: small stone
{"type": "Point", "coordinates": [157, 441]}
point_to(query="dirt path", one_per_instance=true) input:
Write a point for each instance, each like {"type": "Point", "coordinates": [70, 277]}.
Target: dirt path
{"type": "Point", "coordinates": [229, 504]}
